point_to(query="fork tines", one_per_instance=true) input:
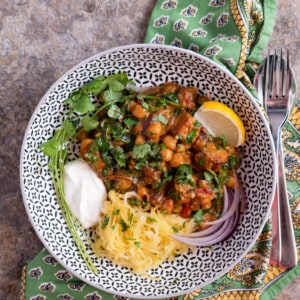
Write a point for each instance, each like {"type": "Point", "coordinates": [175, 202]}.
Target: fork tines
{"type": "Point", "coordinates": [278, 84]}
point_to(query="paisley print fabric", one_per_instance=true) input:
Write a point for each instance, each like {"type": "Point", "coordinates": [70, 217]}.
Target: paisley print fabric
{"type": "Point", "coordinates": [230, 32]}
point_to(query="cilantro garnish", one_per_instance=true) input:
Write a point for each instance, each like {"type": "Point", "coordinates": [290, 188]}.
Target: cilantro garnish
{"type": "Point", "coordinates": [82, 111]}
{"type": "Point", "coordinates": [105, 221]}
{"type": "Point", "coordinates": [184, 174]}
{"type": "Point", "coordinates": [124, 225]}
{"type": "Point", "coordinates": [175, 229]}
{"type": "Point", "coordinates": [198, 216]}
{"type": "Point", "coordinates": [191, 136]}
{"type": "Point", "coordinates": [161, 118]}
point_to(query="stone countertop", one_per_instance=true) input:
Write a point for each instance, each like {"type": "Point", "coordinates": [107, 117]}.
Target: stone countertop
{"type": "Point", "coordinates": [39, 41]}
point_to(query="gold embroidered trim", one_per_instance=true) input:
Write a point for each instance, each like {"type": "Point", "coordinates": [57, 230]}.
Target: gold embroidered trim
{"type": "Point", "coordinates": [244, 36]}
{"type": "Point", "coordinates": [23, 284]}
{"type": "Point", "coordinates": [230, 295]}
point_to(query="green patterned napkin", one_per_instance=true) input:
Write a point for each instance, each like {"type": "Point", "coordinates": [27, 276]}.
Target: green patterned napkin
{"type": "Point", "coordinates": [232, 33]}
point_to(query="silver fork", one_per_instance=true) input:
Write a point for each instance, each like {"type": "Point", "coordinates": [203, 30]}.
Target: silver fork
{"type": "Point", "coordinates": [278, 105]}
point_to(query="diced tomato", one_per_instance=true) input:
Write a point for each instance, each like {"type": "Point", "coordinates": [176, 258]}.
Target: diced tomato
{"type": "Point", "coordinates": [186, 211]}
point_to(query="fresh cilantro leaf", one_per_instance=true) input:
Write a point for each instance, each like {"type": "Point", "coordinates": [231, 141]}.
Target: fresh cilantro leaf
{"type": "Point", "coordinates": [190, 136]}
{"type": "Point", "coordinates": [96, 86]}
{"type": "Point", "coordinates": [197, 124]}
{"type": "Point", "coordinates": [137, 244]}
{"type": "Point", "coordinates": [224, 139]}
{"type": "Point", "coordinates": [141, 151]}
{"type": "Point", "coordinates": [208, 176]}
{"type": "Point", "coordinates": [110, 95]}
{"type": "Point", "coordinates": [223, 176]}
{"type": "Point", "coordinates": [130, 122]}
{"type": "Point", "coordinates": [184, 174]}
{"type": "Point", "coordinates": [116, 85]}
{"type": "Point", "coordinates": [119, 155]}
{"type": "Point", "coordinates": [89, 123]}
{"type": "Point", "coordinates": [124, 225]}
{"type": "Point", "coordinates": [130, 219]}
{"type": "Point", "coordinates": [105, 221]}
{"type": "Point", "coordinates": [233, 161]}
{"type": "Point", "coordinates": [198, 216]}
{"type": "Point", "coordinates": [61, 136]}
{"type": "Point", "coordinates": [145, 105]}
{"type": "Point", "coordinates": [83, 105]}
{"type": "Point", "coordinates": [102, 143]}
{"type": "Point", "coordinates": [152, 220]}
{"type": "Point", "coordinates": [120, 77]}
{"type": "Point", "coordinates": [175, 229]}
{"type": "Point", "coordinates": [116, 212]}
{"type": "Point", "coordinates": [50, 147]}
{"type": "Point", "coordinates": [145, 151]}
{"type": "Point", "coordinates": [161, 118]}
{"type": "Point", "coordinates": [114, 112]}
{"type": "Point", "coordinates": [69, 128]}
{"type": "Point", "coordinates": [171, 96]}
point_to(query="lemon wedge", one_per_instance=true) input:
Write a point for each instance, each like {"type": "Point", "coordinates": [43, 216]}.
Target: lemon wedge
{"type": "Point", "coordinates": [220, 120]}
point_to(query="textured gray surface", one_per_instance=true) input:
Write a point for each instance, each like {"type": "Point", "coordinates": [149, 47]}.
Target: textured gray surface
{"type": "Point", "coordinates": [39, 41]}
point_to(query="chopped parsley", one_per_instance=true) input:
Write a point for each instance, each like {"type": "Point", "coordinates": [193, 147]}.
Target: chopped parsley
{"type": "Point", "coordinates": [105, 221]}
{"type": "Point", "coordinates": [184, 174]}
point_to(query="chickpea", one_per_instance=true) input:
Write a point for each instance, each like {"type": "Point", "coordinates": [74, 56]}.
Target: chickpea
{"type": "Point", "coordinates": [163, 166]}
{"type": "Point", "coordinates": [206, 203]}
{"type": "Point", "coordinates": [170, 142]}
{"type": "Point", "coordinates": [166, 154]}
{"type": "Point", "coordinates": [139, 112]}
{"type": "Point", "coordinates": [140, 139]}
{"type": "Point", "coordinates": [154, 131]}
{"type": "Point", "coordinates": [180, 159]}
{"type": "Point", "coordinates": [180, 148]}
{"type": "Point", "coordinates": [137, 129]}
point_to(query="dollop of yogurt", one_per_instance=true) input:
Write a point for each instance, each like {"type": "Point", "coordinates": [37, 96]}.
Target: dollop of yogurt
{"type": "Point", "coordinates": [84, 191]}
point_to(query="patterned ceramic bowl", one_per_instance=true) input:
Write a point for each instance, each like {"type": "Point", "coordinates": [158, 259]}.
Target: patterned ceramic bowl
{"type": "Point", "coordinates": [150, 65]}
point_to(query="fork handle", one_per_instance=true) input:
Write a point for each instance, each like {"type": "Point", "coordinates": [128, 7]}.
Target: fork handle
{"type": "Point", "coordinates": [276, 234]}
{"type": "Point", "coordinates": [288, 252]}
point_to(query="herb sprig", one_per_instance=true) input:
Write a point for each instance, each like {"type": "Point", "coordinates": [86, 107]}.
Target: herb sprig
{"type": "Point", "coordinates": [82, 110]}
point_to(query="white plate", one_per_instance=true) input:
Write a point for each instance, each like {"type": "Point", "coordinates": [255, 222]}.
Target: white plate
{"type": "Point", "coordinates": [150, 65]}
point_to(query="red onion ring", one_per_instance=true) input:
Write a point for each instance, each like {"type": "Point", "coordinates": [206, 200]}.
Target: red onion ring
{"type": "Point", "coordinates": [220, 235]}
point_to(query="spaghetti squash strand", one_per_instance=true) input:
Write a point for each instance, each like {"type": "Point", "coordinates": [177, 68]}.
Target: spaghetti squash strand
{"type": "Point", "coordinates": [137, 239]}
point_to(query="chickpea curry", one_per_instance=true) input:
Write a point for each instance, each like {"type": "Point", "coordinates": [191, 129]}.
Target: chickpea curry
{"type": "Point", "coordinates": [152, 145]}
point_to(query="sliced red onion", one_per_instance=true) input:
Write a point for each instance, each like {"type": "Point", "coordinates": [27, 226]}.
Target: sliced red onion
{"type": "Point", "coordinates": [147, 122]}
{"type": "Point", "coordinates": [205, 232]}
{"type": "Point", "coordinates": [220, 235]}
